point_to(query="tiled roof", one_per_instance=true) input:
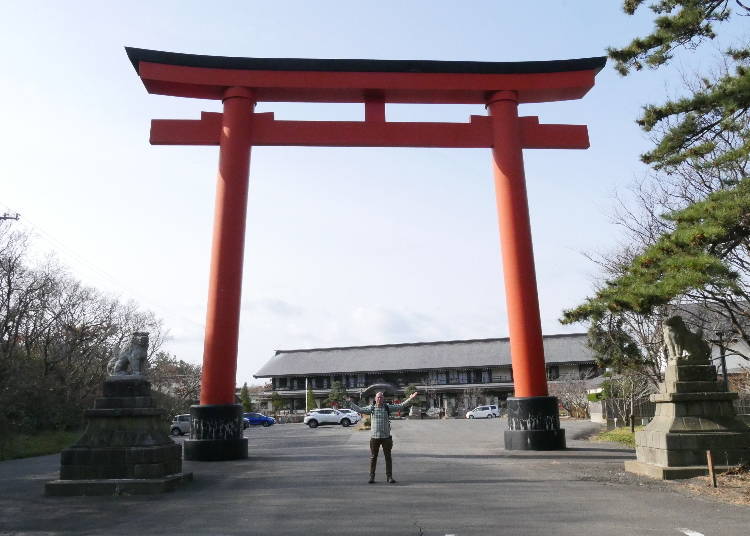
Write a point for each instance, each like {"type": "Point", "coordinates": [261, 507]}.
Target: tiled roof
{"type": "Point", "coordinates": [567, 348]}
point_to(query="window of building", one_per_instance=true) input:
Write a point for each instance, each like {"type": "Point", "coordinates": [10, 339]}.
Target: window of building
{"type": "Point", "coordinates": [553, 372]}
{"type": "Point", "coordinates": [486, 376]}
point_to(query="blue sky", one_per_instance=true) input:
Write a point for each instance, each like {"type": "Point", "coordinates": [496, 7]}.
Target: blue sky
{"type": "Point", "coordinates": [344, 246]}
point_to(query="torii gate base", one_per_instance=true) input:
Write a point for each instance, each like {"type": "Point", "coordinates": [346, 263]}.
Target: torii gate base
{"type": "Point", "coordinates": [534, 424]}
{"type": "Point", "coordinates": [215, 433]}
{"type": "Point", "coordinates": [533, 420]}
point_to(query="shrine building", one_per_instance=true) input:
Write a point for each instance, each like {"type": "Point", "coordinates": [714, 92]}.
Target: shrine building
{"type": "Point", "coordinates": [453, 374]}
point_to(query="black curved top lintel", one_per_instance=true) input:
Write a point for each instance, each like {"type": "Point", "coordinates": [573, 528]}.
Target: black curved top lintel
{"type": "Point", "coordinates": [137, 55]}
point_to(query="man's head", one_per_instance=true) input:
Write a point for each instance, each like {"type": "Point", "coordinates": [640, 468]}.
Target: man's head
{"type": "Point", "coordinates": [379, 398]}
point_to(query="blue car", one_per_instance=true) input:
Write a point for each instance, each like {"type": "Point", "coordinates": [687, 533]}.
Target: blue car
{"type": "Point", "coordinates": [256, 419]}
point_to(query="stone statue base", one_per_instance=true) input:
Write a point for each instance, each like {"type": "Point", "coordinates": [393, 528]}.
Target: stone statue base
{"type": "Point", "coordinates": [125, 449]}
{"type": "Point", "coordinates": [693, 414]}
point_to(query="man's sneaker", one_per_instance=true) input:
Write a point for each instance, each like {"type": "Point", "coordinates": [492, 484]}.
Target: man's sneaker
{"type": "Point", "coordinates": [390, 480]}
{"type": "Point", "coordinates": [372, 479]}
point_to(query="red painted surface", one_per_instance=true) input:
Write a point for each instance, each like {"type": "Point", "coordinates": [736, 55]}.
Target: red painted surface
{"type": "Point", "coordinates": [526, 350]}
{"type": "Point", "coordinates": [374, 109]}
{"type": "Point", "coordinates": [225, 279]}
{"type": "Point", "coordinates": [238, 128]}
{"type": "Point", "coordinates": [322, 86]}
{"type": "Point", "coordinates": [372, 132]}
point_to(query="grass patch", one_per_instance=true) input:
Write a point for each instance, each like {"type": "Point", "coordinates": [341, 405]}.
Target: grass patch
{"type": "Point", "coordinates": [618, 435]}
{"type": "Point", "coordinates": [26, 446]}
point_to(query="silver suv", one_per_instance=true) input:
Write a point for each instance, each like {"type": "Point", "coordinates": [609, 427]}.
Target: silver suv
{"type": "Point", "coordinates": [180, 425]}
{"type": "Point", "coordinates": [321, 416]}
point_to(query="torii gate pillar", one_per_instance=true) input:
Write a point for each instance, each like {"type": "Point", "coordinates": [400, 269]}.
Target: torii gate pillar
{"type": "Point", "coordinates": [533, 417]}
{"type": "Point", "coordinates": [217, 407]}
{"type": "Point", "coordinates": [533, 420]}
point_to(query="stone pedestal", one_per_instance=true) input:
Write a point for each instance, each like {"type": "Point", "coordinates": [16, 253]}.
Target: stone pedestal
{"type": "Point", "coordinates": [534, 424]}
{"type": "Point", "coordinates": [693, 414]}
{"type": "Point", "coordinates": [125, 449]}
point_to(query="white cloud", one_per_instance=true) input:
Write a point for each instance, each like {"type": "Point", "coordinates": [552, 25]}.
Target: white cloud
{"type": "Point", "coordinates": [272, 306]}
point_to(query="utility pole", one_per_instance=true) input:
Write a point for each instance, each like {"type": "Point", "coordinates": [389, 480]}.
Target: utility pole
{"type": "Point", "coordinates": [9, 216]}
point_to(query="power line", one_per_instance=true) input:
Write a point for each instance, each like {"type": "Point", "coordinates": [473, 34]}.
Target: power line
{"type": "Point", "coordinates": [95, 270]}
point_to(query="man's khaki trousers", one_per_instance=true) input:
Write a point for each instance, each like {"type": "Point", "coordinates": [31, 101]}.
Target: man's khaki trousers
{"type": "Point", "coordinates": [375, 444]}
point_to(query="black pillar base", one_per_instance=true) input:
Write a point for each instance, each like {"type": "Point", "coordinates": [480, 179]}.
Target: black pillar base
{"type": "Point", "coordinates": [534, 424]}
{"type": "Point", "coordinates": [215, 433]}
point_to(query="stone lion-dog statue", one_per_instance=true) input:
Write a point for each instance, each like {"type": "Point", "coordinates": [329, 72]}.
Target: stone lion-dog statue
{"type": "Point", "coordinates": [682, 344]}
{"type": "Point", "coordinates": [133, 356]}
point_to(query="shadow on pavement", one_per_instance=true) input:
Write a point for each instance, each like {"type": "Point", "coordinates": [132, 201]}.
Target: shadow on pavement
{"type": "Point", "coordinates": [594, 449]}
{"type": "Point", "coordinates": [617, 454]}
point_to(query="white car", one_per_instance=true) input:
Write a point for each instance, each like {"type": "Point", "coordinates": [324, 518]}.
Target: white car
{"type": "Point", "coordinates": [489, 411]}
{"type": "Point", "coordinates": [353, 415]}
{"type": "Point", "coordinates": [321, 416]}
{"type": "Point", "coordinates": [180, 425]}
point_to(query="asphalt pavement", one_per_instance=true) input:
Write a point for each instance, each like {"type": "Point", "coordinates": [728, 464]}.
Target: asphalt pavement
{"type": "Point", "coordinates": [454, 477]}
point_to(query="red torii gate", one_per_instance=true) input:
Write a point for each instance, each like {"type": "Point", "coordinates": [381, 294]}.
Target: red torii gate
{"type": "Point", "coordinates": [240, 83]}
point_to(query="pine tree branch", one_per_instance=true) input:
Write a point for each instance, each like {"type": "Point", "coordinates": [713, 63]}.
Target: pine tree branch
{"type": "Point", "coordinates": [687, 27]}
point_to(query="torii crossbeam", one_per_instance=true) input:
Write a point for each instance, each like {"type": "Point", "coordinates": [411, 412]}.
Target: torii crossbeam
{"type": "Point", "coordinates": [242, 82]}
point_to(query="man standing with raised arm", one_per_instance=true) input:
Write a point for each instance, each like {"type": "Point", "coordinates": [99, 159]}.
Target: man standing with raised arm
{"type": "Point", "coordinates": [380, 431]}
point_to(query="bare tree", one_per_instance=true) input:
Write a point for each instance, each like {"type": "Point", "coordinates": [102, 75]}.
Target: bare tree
{"type": "Point", "coordinates": [740, 382]}
{"type": "Point", "coordinates": [56, 338]}
{"type": "Point", "coordinates": [475, 396]}
{"type": "Point", "coordinates": [572, 394]}
{"type": "Point", "coordinates": [624, 392]}
{"type": "Point", "coordinates": [177, 381]}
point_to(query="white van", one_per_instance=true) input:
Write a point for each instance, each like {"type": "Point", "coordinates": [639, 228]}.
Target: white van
{"type": "Point", "coordinates": [489, 411]}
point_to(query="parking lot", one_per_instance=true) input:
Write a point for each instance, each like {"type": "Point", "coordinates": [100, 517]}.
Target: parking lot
{"type": "Point", "coordinates": [453, 478]}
